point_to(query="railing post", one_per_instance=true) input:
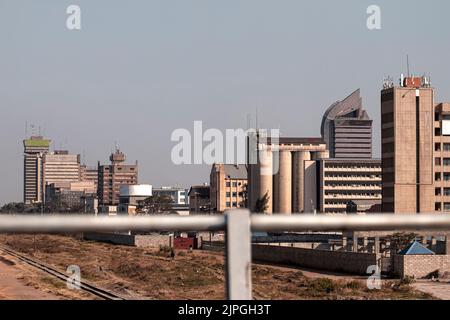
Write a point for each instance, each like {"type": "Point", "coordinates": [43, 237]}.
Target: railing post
{"type": "Point", "coordinates": [238, 255]}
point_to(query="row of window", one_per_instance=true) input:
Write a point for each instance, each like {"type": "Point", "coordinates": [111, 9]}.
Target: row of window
{"type": "Point", "coordinates": [235, 194]}
{"type": "Point", "coordinates": [438, 192]}
{"type": "Point", "coordinates": [228, 204]}
{"type": "Point", "coordinates": [235, 184]}
{"type": "Point", "coordinates": [438, 206]}
{"type": "Point", "coordinates": [445, 162]}
{"type": "Point", "coordinates": [445, 147]}
{"type": "Point", "coordinates": [446, 176]}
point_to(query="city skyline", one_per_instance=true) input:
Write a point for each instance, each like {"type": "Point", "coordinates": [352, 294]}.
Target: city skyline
{"type": "Point", "coordinates": [257, 55]}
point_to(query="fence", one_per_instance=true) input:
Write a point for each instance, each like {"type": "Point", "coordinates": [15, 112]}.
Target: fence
{"type": "Point", "coordinates": [238, 225]}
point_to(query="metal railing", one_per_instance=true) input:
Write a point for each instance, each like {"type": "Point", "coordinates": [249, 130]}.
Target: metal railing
{"type": "Point", "coordinates": [238, 225]}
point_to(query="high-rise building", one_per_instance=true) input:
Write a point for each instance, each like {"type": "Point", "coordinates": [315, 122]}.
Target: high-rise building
{"type": "Point", "coordinates": [199, 199]}
{"type": "Point", "coordinates": [112, 176]}
{"type": "Point", "coordinates": [35, 149]}
{"type": "Point", "coordinates": [347, 129]}
{"type": "Point", "coordinates": [228, 187]}
{"type": "Point", "coordinates": [409, 131]}
{"type": "Point", "coordinates": [61, 168]}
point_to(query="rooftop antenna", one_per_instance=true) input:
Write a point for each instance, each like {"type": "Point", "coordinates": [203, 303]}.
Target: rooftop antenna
{"type": "Point", "coordinates": [257, 119]}
{"type": "Point", "coordinates": [407, 65]}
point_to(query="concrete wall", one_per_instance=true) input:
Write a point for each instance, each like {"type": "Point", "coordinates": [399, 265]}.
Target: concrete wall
{"type": "Point", "coordinates": [419, 266]}
{"type": "Point", "coordinates": [151, 241]}
{"type": "Point", "coordinates": [338, 261]}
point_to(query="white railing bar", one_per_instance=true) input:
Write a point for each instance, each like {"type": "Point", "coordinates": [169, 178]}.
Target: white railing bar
{"type": "Point", "coordinates": [268, 223]}
{"type": "Point", "coordinates": [80, 223]}
{"type": "Point", "coordinates": [376, 222]}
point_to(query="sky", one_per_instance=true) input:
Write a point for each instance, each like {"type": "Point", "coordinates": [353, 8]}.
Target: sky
{"type": "Point", "coordinates": [138, 70]}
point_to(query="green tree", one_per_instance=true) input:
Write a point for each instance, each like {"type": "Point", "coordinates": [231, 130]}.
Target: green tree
{"type": "Point", "coordinates": [155, 205]}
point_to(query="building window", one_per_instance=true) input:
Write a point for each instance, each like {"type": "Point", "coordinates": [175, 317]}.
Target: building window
{"type": "Point", "coordinates": [446, 162]}
{"type": "Point", "coordinates": [234, 204]}
{"type": "Point", "coordinates": [234, 184]}
{"type": "Point", "coordinates": [436, 116]}
{"type": "Point", "coordinates": [228, 184]}
{"type": "Point", "coordinates": [437, 176]}
{"type": "Point", "coordinates": [446, 206]}
{"type": "Point", "coordinates": [446, 176]}
{"type": "Point", "coordinates": [234, 194]}
{"type": "Point", "coordinates": [437, 132]}
{"type": "Point", "coordinates": [437, 206]}
{"type": "Point", "coordinates": [437, 147]}
{"type": "Point", "coordinates": [447, 147]}
{"type": "Point", "coordinates": [228, 204]}
{"type": "Point", "coordinates": [437, 161]}
{"type": "Point", "coordinates": [437, 191]}
{"type": "Point", "coordinates": [228, 194]}
{"type": "Point", "coordinates": [446, 192]}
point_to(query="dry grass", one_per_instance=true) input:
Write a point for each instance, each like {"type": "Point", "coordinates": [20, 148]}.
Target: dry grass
{"type": "Point", "coordinates": [153, 274]}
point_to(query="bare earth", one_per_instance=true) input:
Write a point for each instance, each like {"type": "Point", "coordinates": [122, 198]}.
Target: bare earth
{"type": "Point", "coordinates": [140, 273]}
{"type": "Point", "coordinates": [12, 285]}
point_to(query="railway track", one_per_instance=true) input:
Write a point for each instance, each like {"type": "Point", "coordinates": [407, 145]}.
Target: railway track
{"type": "Point", "coordinates": [101, 293]}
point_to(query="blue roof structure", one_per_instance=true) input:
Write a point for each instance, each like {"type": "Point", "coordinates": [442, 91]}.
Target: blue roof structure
{"type": "Point", "coordinates": [415, 248]}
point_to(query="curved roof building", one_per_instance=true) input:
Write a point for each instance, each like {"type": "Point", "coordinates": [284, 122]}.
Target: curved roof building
{"type": "Point", "coordinates": [347, 128]}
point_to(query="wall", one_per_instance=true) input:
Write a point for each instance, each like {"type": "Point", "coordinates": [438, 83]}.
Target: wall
{"type": "Point", "coordinates": [150, 241]}
{"type": "Point", "coordinates": [419, 266]}
{"type": "Point", "coordinates": [338, 261]}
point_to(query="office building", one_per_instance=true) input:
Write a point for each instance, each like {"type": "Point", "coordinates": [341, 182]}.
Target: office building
{"type": "Point", "coordinates": [228, 184]}
{"type": "Point", "coordinates": [409, 133]}
{"type": "Point", "coordinates": [347, 129]}
{"type": "Point", "coordinates": [112, 176]}
{"type": "Point", "coordinates": [69, 197]}
{"type": "Point", "coordinates": [89, 174]}
{"type": "Point", "coordinates": [33, 178]}
{"type": "Point", "coordinates": [61, 168]}
{"type": "Point", "coordinates": [332, 184]}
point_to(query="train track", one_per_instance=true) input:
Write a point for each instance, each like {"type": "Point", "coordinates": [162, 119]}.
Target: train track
{"type": "Point", "coordinates": [101, 293]}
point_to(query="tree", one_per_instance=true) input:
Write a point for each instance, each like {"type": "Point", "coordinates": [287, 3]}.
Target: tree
{"type": "Point", "coordinates": [155, 205]}
{"type": "Point", "coordinates": [20, 207]}
{"type": "Point", "coordinates": [262, 204]}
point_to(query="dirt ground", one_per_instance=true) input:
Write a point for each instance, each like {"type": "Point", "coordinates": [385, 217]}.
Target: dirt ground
{"type": "Point", "coordinates": [139, 273]}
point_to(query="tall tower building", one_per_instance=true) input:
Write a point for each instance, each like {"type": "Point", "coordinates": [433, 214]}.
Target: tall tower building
{"type": "Point", "coordinates": [407, 120]}
{"type": "Point", "coordinates": [111, 177]}
{"type": "Point", "coordinates": [347, 129]}
{"type": "Point", "coordinates": [35, 149]}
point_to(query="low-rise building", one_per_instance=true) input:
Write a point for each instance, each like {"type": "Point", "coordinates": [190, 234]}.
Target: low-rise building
{"type": "Point", "coordinates": [228, 187]}
{"type": "Point", "coordinates": [131, 196]}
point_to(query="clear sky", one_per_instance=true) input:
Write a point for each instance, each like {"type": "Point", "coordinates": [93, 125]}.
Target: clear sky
{"type": "Point", "coordinates": [139, 69]}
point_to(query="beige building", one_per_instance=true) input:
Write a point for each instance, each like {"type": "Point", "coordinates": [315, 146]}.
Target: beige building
{"type": "Point", "coordinates": [89, 174]}
{"type": "Point", "coordinates": [35, 149]}
{"type": "Point", "coordinates": [228, 187]}
{"type": "Point", "coordinates": [414, 135]}
{"type": "Point", "coordinates": [277, 168]}
{"type": "Point", "coordinates": [61, 168]}
{"type": "Point", "coordinates": [334, 183]}
{"type": "Point", "coordinates": [111, 177]}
